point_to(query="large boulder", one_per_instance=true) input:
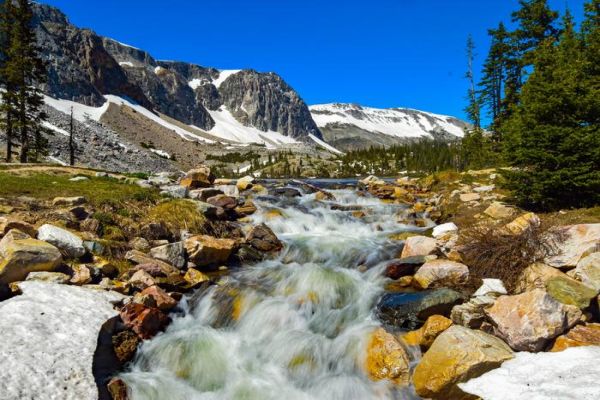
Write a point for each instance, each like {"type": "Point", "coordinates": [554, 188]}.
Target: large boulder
{"type": "Point", "coordinates": [529, 321]}
{"type": "Point", "coordinates": [580, 335]}
{"type": "Point", "coordinates": [570, 291]}
{"type": "Point", "coordinates": [498, 210]}
{"type": "Point", "coordinates": [172, 253]}
{"type": "Point", "coordinates": [8, 224]}
{"type": "Point", "coordinates": [245, 183]}
{"type": "Point", "coordinates": [411, 310]}
{"type": "Point", "coordinates": [262, 238]}
{"type": "Point", "coordinates": [198, 178]}
{"type": "Point", "coordinates": [418, 246]}
{"type": "Point", "coordinates": [580, 240]}
{"type": "Point", "coordinates": [69, 201]}
{"type": "Point", "coordinates": [521, 223]}
{"type": "Point", "coordinates": [535, 276]}
{"type": "Point", "coordinates": [386, 358]}
{"type": "Point", "coordinates": [69, 244]}
{"type": "Point", "coordinates": [20, 257]}
{"type": "Point", "coordinates": [146, 322]}
{"type": "Point", "coordinates": [457, 355]}
{"type": "Point", "coordinates": [472, 313]}
{"type": "Point", "coordinates": [204, 250]}
{"type": "Point", "coordinates": [438, 273]}
{"type": "Point", "coordinates": [588, 271]}
{"type": "Point", "coordinates": [443, 229]}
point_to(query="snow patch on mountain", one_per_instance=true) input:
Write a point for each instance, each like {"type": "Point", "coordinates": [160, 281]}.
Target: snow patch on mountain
{"type": "Point", "coordinates": [224, 74]}
{"type": "Point", "coordinates": [398, 122]}
{"type": "Point", "coordinates": [325, 145]}
{"type": "Point", "coordinates": [82, 113]}
{"type": "Point", "coordinates": [230, 129]}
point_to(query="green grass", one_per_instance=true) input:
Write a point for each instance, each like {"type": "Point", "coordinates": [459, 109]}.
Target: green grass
{"type": "Point", "coordinates": [97, 191]}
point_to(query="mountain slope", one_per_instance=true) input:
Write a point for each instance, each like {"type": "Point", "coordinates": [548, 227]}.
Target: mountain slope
{"type": "Point", "coordinates": [351, 126]}
{"type": "Point", "coordinates": [85, 67]}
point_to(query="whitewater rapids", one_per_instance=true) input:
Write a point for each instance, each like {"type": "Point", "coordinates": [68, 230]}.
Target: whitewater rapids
{"type": "Point", "coordinates": [293, 328]}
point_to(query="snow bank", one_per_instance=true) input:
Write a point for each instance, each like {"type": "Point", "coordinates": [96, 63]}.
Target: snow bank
{"type": "Point", "coordinates": [570, 374]}
{"type": "Point", "coordinates": [48, 336]}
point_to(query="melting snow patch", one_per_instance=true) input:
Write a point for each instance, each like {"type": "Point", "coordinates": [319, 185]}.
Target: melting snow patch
{"type": "Point", "coordinates": [55, 128]}
{"type": "Point", "coordinates": [48, 339]}
{"type": "Point", "coordinates": [126, 64]}
{"type": "Point", "coordinates": [161, 153]}
{"type": "Point", "coordinates": [228, 128]}
{"type": "Point", "coordinates": [324, 144]}
{"type": "Point", "coordinates": [224, 75]}
{"type": "Point", "coordinates": [567, 375]}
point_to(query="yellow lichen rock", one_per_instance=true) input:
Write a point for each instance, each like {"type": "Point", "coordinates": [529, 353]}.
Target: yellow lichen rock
{"type": "Point", "coordinates": [581, 335]}
{"type": "Point", "coordinates": [424, 336]}
{"type": "Point", "coordinates": [457, 355]}
{"type": "Point", "coordinates": [386, 358]}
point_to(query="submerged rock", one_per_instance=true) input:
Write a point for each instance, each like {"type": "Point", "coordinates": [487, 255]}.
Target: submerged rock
{"type": "Point", "coordinates": [262, 238]}
{"type": "Point", "coordinates": [457, 355]}
{"type": "Point", "coordinates": [410, 310]}
{"type": "Point", "coordinates": [528, 321]}
{"type": "Point", "coordinates": [387, 359]}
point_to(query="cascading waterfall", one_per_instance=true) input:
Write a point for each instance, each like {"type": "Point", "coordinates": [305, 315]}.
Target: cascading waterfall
{"type": "Point", "coordinates": [295, 327]}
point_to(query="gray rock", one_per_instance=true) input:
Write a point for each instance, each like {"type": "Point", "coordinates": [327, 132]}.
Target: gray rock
{"type": "Point", "coordinates": [175, 191]}
{"type": "Point", "coordinates": [68, 243]}
{"type": "Point", "coordinates": [172, 253]}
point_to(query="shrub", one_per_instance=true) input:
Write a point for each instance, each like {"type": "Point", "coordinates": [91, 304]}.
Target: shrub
{"type": "Point", "coordinates": [491, 251]}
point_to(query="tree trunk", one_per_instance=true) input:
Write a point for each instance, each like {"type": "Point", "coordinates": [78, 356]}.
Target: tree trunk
{"type": "Point", "coordinates": [9, 136]}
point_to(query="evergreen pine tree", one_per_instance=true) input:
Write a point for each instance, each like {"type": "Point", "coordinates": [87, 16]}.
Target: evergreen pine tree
{"type": "Point", "coordinates": [7, 108]}
{"type": "Point", "coordinates": [494, 74]}
{"type": "Point", "coordinates": [553, 137]}
{"type": "Point", "coordinates": [23, 71]}
{"type": "Point", "coordinates": [473, 109]}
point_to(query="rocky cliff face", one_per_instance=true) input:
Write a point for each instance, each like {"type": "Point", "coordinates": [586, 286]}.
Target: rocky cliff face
{"type": "Point", "coordinates": [268, 103]}
{"type": "Point", "coordinates": [84, 66]}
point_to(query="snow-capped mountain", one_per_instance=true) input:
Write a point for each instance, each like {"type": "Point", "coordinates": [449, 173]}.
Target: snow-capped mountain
{"type": "Point", "coordinates": [351, 126]}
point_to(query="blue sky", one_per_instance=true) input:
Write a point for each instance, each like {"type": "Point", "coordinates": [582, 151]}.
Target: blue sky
{"type": "Point", "coordinates": [380, 53]}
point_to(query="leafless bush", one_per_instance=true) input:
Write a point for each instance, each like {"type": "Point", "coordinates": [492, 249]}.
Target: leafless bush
{"type": "Point", "coordinates": [491, 251]}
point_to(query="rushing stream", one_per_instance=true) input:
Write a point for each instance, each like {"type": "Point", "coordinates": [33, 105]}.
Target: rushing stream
{"type": "Point", "coordinates": [295, 327]}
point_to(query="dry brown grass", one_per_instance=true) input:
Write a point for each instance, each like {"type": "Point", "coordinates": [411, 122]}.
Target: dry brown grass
{"type": "Point", "coordinates": [490, 251]}
{"type": "Point", "coordinates": [178, 215]}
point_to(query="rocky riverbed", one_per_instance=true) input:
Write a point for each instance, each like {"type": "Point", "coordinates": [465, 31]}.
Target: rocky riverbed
{"type": "Point", "coordinates": [190, 286]}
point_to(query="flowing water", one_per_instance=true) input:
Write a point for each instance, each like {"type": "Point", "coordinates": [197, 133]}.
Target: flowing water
{"type": "Point", "coordinates": [295, 327]}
